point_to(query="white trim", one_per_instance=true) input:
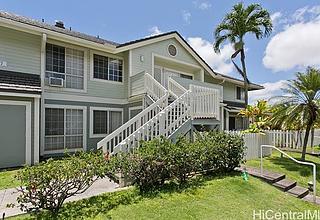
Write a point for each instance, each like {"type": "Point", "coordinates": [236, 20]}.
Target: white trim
{"type": "Point", "coordinates": [16, 94]}
{"type": "Point", "coordinates": [85, 68]}
{"type": "Point", "coordinates": [175, 60]}
{"type": "Point", "coordinates": [28, 150]}
{"type": "Point", "coordinates": [134, 108]}
{"type": "Point", "coordinates": [78, 98]}
{"type": "Point", "coordinates": [108, 56]}
{"type": "Point", "coordinates": [107, 109]}
{"type": "Point", "coordinates": [36, 130]}
{"type": "Point", "coordinates": [84, 108]}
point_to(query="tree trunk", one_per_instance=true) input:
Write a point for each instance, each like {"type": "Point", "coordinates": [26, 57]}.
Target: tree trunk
{"type": "Point", "coordinates": [305, 142]}
{"type": "Point", "coordinates": [312, 138]}
{"type": "Point", "coordinates": [245, 78]}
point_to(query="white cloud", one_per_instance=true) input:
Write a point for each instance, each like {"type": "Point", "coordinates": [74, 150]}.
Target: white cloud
{"type": "Point", "coordinates": [202, 5]}
{"type": "Point", "coordinates": [276, 18]}
{"type": "Point", "coordinates": [219, 62]}
{"type": "Point", "coordinates": [296, 46]}
{"type": "Point", "coordinates": [271, 89]}
{"type": "Point", "coordinates": [186, 16]}
{"type": "Point", "coordinates": [154, 31]}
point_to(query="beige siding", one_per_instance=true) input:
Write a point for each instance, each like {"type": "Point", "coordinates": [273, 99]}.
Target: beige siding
{"type": "Point", "coordinates": [159, 48]}
{"type": "Point", "coordinates": [98, 88]}
{"type": "Point", "coordinates": [229, 89]}
{"type": "Point", "coordinates": [20, 50]}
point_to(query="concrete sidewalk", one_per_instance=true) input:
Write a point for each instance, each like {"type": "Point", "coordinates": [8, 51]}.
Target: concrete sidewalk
{"type": "Point", "coordinates": [9, 196]}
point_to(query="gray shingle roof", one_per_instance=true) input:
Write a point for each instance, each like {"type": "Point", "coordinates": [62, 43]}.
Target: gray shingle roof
{"type": "Point", "coordinates": [40, 24]}
{"type": "Point", "coordinates": [19, 82]}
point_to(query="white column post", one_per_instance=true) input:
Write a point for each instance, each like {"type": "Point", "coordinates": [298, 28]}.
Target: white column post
{"type": "Point", "coordinates": [42, 110]}
{"type": "Point", "coordinates": [36, 137]}
{"type": "Point", "coordinates": [227, 120]}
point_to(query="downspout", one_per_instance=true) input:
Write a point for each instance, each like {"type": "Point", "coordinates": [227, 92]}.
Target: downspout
{"type": "Point", "coordinates": [42, 75]}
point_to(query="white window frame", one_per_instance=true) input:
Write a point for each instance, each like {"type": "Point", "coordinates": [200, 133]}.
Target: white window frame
{"type": "Point", "coordinates": [85, 68]}
{"type": "Point", "coordinates": [84, 108]}
{"type": "Point", "coordinates": [134, 108]}
{"type": "Point", "coordinates": [107, 109]}
{"type": "Point", "coordinates": [242, 95]}
{"type": "Point", "coordinates": [108, 56]}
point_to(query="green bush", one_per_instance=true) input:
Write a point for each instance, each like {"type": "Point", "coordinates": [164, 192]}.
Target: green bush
{"type": "Point", "coordinates": [222, 152]}
{"type": "Point", "coordinates": [147, 167]}
{"type": "Point", "coordinates": [159, 160]}
{"type": "Point", "coordinates": [183, 159]}
{"type": "Point", "coordinates": [48, 184]}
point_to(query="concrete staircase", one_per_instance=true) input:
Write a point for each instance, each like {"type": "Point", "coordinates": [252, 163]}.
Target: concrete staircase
{"type": "Point", "coordinates": [281, 182]}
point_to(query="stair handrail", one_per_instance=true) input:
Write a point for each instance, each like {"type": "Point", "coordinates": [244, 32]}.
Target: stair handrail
{"type": "Point", "coordinates": [162, 132]}
{"type": "Point", "coordinates": [136, 118]}
{"type": "Point", "coordinates": [175, 88]}
{"type": "Point", "coordinates": [295, 160]}
{"type": "Point", "coordinates": [153, 87]}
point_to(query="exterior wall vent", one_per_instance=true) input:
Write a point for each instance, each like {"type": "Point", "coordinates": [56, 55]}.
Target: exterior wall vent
{"type": "Point", "coordinates": [172, 50]}
{"type": "Point", "coordinates": [59, 24]}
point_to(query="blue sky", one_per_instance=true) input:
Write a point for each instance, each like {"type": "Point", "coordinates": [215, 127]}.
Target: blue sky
{"type": "Point", "coordinates": [293, 45]}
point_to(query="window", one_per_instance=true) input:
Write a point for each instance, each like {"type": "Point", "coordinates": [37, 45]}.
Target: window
{"type": "Point", "coordinates": [185, 76]}
{"type": "Point", "coordinates": [239, 93]}
{"type": "Point", "coordinates": [107, 68]}
{"type": "Point", "coordinates": [64, 129]}
{"type": "Point", "coordinates": [104, 121]}
{"type": "Point", "coordinates": [65, 63]}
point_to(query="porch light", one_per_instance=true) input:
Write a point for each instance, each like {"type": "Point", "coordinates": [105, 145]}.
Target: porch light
{"type": "Point", "coordinates": [141, 58]}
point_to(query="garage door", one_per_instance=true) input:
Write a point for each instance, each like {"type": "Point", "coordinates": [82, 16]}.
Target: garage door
{"type": "Point", "coordinates": [13, 132]}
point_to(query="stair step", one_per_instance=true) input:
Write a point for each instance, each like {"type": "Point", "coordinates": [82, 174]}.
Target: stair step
{"type": "Point", "coordinates": [298, 191]}
{"type": "Point", "coordinates": [285, 184]}
{"type": "Point", "coordinates": [267, 176]}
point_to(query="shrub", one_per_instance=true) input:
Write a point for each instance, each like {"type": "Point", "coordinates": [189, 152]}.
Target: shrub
{"type": "Point", "coordinates": [146, 167]}
{"type": "Point", "coordinates": [221, 151]}
{"type": "Point", "coordinates": [48, 184]}
{"type": "Point", "coordinates": [184, 160]}
{"type": "Point", "coordinates": [159, 160]}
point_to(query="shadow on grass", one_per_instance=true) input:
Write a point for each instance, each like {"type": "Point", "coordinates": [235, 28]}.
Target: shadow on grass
{"type": "Point", "coordinates": [290, 165]}
{"type": "Point", "coordinates": [102, 204]}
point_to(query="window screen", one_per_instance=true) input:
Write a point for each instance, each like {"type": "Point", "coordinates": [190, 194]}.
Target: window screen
{"type": "Point", "coordinates": [107, 68]}
{"type": "Point", "coordinates": [100, 122]}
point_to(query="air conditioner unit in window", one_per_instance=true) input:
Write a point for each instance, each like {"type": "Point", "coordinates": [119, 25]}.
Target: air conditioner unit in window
{"type": "Point", "coordinates": [54, 81]}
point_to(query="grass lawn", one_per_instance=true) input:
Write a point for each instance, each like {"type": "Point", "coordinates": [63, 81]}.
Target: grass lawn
{"type": "Point", "coordinates": [7, 179]}
{"type": "Point", "coordinates": [226, 197]}
{"type": "Point", "coordinates": [294, 171]}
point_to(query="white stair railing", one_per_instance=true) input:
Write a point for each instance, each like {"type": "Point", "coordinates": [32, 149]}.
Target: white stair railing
{"type": "Point", "coordinates": [165, 123]}
{"type": "Point", "coordinates": [175, 88]}
{"type": "Point", "coordinates": [159, 94]}
{"type": "Point", "coordinates": [156, 121]}
{"type": "Point", "coordinates": [153, 87]}
{"type": "Point", "coordinates": [205, 102]}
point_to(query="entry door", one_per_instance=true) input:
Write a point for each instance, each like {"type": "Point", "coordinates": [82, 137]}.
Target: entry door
{"type": "Point", "coordinates": [12, 135]}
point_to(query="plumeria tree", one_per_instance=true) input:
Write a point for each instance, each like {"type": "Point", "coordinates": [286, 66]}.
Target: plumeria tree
{"type": "Point", "coordinates": [235, 26]}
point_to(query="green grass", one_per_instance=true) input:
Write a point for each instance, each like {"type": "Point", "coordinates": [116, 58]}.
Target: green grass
{"type": "Point", "coordinates": [7, 179]}
{"type": "Point", "coordinates": [294, 171]}
{"type": "Point", "coordinates": [226, 197]}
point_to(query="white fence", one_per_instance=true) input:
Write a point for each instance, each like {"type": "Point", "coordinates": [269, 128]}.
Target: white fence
{"type": "Point", "coordinates": [282, 139]}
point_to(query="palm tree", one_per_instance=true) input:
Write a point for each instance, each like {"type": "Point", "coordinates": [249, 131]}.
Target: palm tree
{"type": "Point", "coordinates": [300, 106]}
{"type": "Point", "coordinates": [235, 25]}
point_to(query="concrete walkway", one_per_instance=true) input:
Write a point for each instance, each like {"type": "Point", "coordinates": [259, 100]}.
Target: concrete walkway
{"type": "Point", "coordinates": [9, 196]}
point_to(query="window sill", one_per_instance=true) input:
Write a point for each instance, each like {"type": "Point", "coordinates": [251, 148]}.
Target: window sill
{"type": "Point", "coordinates": [106, 81]}
{"type": "Point", "coordinates": [98, 135]}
